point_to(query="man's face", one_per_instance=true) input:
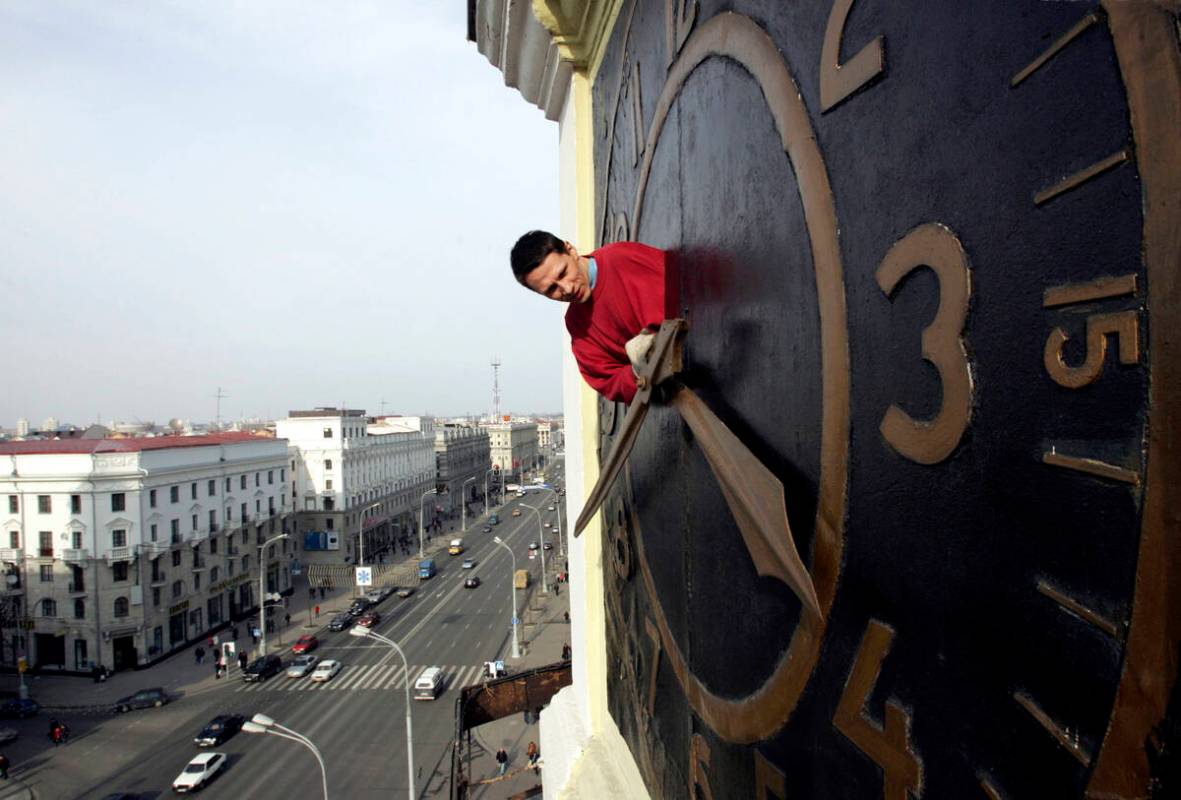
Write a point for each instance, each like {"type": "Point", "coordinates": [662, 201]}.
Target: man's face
{"type": "Point", "coordinates": [561, 277]}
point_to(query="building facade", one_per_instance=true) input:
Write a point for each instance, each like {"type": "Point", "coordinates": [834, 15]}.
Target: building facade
{"type": "Point", "coordinates": [462, 463]}
{"type": "Point", "coordinates": [118, 552]}
{"type": "Point", "coordinates": [353, 476]}
{"type": "Point", "coordinates": [513, 447]}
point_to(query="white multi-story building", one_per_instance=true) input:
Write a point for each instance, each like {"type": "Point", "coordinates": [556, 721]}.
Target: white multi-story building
{"type": "Point", "coordinates": [116, 552]}
{"type": "Point", "coordinates": [462, 464]}
{"type": "Point", "coordinates": [513, 447]}
{"type": "Point", "coordinates": [350, 473]}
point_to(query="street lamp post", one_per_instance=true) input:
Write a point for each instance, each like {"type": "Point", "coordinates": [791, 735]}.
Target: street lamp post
{"type": "Point", "coordinates": [540, 545]}
{"type": "Point", "coordinates": [463, 501]}
{"type": "Point", "coordinates": [513, 589]}
{"type": "Point", "coordinates": [362, 631]}
{"type": "Point", "coordinates": [262, 591]}
{"type": "Point", "coordinates": [361, 532]}
{"type": "Point", "coordinates": [422, 500]}
{"type": "Point", "coordinates": [261, 723]}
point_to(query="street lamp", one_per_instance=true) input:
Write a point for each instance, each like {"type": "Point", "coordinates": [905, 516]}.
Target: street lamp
{"type": "Point", "coordinates": [422, 500]}
{"type": "Point", "coordinates": [362, 631]}
{"type": "Point", "coordinates": [541, 545]}
{"type": "Point", "coordinates": [361, 531]}
{"type": "Point", "coordinates": [261, 723]}
{"type": "Point", "coordinates": [262, 591]}
{"type": "Point", "coordinates": [463, 501]}
{"type": "Point", "coordinates": [513, 587]}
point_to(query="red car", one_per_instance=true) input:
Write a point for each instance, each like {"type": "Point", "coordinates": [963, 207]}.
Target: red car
{"type": "Point", "coordinates": [305, 644]}
{"type": "Point", "coordinates": [369, 619]}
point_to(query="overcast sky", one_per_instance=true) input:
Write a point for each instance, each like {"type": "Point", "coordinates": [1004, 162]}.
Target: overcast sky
{"type": "Point", "coordinates": [304, 203]}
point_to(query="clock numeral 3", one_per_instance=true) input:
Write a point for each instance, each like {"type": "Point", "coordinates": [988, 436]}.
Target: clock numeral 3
{"type": "Point", "coordinates": [889, 746]}
{"type": "Point", "coordinates": [934, 245]}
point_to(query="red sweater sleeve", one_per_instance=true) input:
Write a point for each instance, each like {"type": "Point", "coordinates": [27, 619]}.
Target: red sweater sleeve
{"type": "Point", "coordinates": [607, 376]}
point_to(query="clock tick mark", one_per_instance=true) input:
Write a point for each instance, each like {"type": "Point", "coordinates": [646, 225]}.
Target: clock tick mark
{"type": "Point", "coordinates": [1063, 736]}
{"type": "Point", "coordinates": [1076, 608]}
{"type": "Point", "coordinates": [1091, 466]}
{"type": "Point", "coordinates": [989, 789]}
{"type": "Point", "coordinates": [1055, 48]}
{"type": "Point", "coordinates": [1098, 289]}
{"type": "Point", "coordinates": [1081, 177]}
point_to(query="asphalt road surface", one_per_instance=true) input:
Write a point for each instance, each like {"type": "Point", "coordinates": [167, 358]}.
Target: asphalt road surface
{"type": "Point", "coordinates": [357, 719]}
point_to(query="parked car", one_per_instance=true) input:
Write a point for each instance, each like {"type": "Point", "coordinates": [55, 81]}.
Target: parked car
{"type": "Point", "coordinates": [19, 709]}
{"type": "Point", "coordinates": [548, 545]}
{"type": "Point", "coordinates": [326, 670]}
{"type": "Point", "coordinates": [340, 622]}
{"type": "Point", "coordinates": [263, 668]}
{"type": "Point", "coordinates": [199, 772]}
{"type": "Point", "coordinates": [144, 698]}
{"type": "Point", "coordinates": [305, 644]}
{"type": "Point", "coordinates": [369, 619]}
{"type": "Point", "coordinates": [472, 582]}
{"type": "Point", "coordinates": [547, 525]}
{"type": "Point", "coordinates": [469, 563]}
{"type": "Point", "coordinates": [220, 728]}
{"type": "Point", "coordinates": [405, 591]}
{"type": "Point", "coordinates": [301, 666]}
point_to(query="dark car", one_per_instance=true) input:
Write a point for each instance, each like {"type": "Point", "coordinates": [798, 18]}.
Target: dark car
{"type": "Point", "coordinates": [472, 582]}
{"type": "Point", "coordinates": [144, 698]}
{"type": "Point", "coordinates": [220, 728]}
{"type": "Point", "coordinates": [359, 607]}
{"type": "Point", "coordinates": [263, 668]}
{"type": "Point", "coordinates": [340, 622]}
{"type": "Point", "coordinates": [19, 709]}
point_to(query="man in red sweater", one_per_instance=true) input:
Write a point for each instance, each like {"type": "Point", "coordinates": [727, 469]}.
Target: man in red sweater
{"type": "Point", "coordinates": [618, 296]}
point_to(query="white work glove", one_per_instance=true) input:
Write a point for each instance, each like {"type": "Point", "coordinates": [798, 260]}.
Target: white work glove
{"type": "Point", "coordinates": [637, 348]}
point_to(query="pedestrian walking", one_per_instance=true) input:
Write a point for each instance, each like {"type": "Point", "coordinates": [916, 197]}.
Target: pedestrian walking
{"type": "Point", "coordinates": [566, 652]}
{"type": "Point", "coordinates": [242, 660]}
{"type": "Point", "coordinates": [502, 760]}
{"type": "Point", "coordinates": [287, 619]}
{"type": "Point", "coordinates": [199, 654]}
{"type": "Point", "coordinates": [216, 669]}
{"type": "Point", "coordinates": [534, 753]}
{"type": "Point", "coordinates": [3, 766]}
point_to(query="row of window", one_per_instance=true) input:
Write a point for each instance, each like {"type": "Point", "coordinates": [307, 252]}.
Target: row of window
{"type": "Point", "coordinates": [119, 499]}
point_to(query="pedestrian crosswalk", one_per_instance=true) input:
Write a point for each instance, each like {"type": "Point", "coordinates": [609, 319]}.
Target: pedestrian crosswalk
{"type": "Point", "coordinates": [367, 676]}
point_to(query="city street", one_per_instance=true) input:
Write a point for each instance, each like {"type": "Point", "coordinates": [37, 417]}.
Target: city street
{"type": "Point", "coordinates": [356, 719]}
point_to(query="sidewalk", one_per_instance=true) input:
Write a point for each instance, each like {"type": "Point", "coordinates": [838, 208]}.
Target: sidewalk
{"type": "Point", "coordinates": [542, 644]}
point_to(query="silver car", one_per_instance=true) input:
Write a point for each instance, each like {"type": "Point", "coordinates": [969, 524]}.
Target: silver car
{"type": "Point", "coordinates": [301, 666]}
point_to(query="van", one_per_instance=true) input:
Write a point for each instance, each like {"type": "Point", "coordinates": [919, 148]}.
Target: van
{"type": "Point", "coordinates": [494, 519]}
{"type": "Point", "coordinates": [521, 578]}
{"type": "Point", "coordinates": [428, 684]}
{"type": "Point", "coordinates": [456, 547]}
{"type": "Point", "coordinates": [426, 568]}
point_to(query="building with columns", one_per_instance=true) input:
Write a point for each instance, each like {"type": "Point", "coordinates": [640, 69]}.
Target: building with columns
{"type": "Point", "coordinates": [462, 462]}
{"type": "Point", "coordinates": [117, 552]}
{"type": "Point", "coordinates": [352, 475]}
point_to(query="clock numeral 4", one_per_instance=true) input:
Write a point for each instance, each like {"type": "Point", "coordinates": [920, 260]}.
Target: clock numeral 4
{"type": "Point", "coordinates": [889, 745]}
{"type": "Point", "coordinates": [934, 245]}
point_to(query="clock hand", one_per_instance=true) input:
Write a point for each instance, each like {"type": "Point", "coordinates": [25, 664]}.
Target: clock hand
{"type": "Point", "coordinates": [662, 362]}
{"type": "Point", "coordinates": [755, 497]}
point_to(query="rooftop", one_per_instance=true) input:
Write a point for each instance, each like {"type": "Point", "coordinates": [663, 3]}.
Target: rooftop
{"type": "Point", "coordinates": [129, 445]}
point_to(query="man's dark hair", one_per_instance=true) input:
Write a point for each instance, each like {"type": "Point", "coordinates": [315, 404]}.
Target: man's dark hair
{"type": "Point", "coordinates": [531, 249]}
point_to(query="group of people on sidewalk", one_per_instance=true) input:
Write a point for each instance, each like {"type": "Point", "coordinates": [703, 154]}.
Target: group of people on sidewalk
{"type": "Point", "coordinates": [532, 753]}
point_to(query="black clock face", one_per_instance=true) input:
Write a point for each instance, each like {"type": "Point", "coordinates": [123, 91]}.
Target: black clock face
{"type": "Point", "coordinates": [922, 289]}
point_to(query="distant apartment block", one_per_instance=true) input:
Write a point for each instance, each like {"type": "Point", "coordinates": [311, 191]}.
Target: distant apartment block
{"type": "Point", "coordinates": [462, 463]}
{"type": "Point", "coordinates": [513, 447]}
{"type": "Point", "coordinates": [116, 552]}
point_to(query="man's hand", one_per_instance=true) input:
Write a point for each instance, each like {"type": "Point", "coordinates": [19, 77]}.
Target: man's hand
{"type": "Point", "coordinates": [637, 348]}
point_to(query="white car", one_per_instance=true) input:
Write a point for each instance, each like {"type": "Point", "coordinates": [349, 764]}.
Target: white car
{"type": "Point", "coordinates": [551, 508]}
{"type": "Point", "coordinates": [198, 772]}
{"type": "Point", "coordinates": [301, 666]}
{"type": "Point", "coordinates": [326, 670]}
{"type": "Point", "coordinates": [375, 596]}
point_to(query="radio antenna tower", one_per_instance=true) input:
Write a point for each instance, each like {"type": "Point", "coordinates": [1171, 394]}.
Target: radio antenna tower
{"type": "Point", "coordinates": [495, 389]}
{"type": "Point", "coordinates": [220, 396]}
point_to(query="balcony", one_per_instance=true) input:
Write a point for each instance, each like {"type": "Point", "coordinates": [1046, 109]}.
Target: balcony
{"type": "Point", "coordinates": [45, 552]}
{"type": "Point", "coordinates": [77, 587]}
{"type": "Point", "coordinates": [118, 554]}
{"type": "Point", "coordinates": [75, 555]}
{"type": "Point", "coordinates": [12, 555]}
{"type": "Point", "coordinates": [159, 579]}
{"type": "Point", "coordinates": [154, 549]}
{"type": "Point", "coordinates": [200, 566]}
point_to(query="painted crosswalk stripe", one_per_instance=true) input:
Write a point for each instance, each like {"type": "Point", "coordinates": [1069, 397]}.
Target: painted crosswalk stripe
{"type": "Point", "coordinates": [395, 679]}
{"type": "Point", "coordinates": [348, 676]}
{"type": "Point", "coordinates": [378, 676]}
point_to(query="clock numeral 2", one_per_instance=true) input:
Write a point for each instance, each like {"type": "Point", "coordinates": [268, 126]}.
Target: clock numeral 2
{"type": "Point", "coordinates": [935, 246]}
{"type": "Point", "coordinates": [837, 80]}
{"type": "Point", "coordinates": [889, 746]}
